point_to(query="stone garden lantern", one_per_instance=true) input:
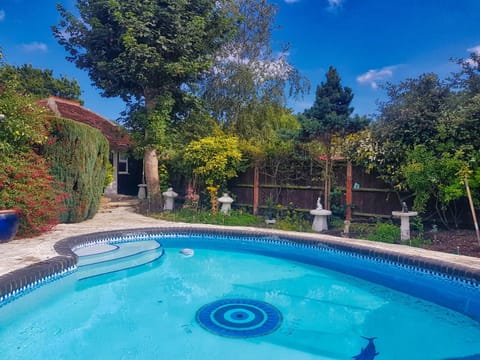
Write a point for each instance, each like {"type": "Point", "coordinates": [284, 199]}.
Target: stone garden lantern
{"type": "Point", "coordinates": [226, 202]}
{"type": "Point", "coordinates": [169, 196]}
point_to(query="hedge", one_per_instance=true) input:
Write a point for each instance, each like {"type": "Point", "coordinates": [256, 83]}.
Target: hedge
{"type": "Point", "coordinates": [78, 156]}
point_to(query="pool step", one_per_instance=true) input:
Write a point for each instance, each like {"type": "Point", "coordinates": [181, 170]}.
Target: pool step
{"type": "Point", "coordinates": [108, 259]}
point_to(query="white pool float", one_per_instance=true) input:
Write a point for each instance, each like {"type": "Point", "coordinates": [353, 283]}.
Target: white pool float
{"type": "Point", "coordinates": [187, 252]}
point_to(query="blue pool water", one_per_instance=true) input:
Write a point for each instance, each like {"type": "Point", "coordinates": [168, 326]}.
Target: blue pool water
{"type": "Point", "coordinates": [151, 312]}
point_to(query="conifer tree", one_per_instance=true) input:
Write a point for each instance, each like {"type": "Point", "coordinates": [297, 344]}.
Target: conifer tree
{"type": "Point", "coordinates": [330, 116]}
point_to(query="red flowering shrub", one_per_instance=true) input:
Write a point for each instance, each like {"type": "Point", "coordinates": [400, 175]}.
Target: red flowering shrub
{"type": "Point", "coordinates": [27, 186]}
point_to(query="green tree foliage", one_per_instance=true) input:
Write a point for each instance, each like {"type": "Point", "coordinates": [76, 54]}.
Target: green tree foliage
{"type": "Point", "coordinates": [434, 177]}
{"type": "Point", "coordinates": [214, 159]}
{"type": "Point", "coordinates": [289, 162]}
{"type": "Point", "coordinates": [141, 49]}
{"type": "Point", "coordinates": [147, 52]}
{"type": "Point", "coordinates": [270, 124]}
{"type": "Point", "coordinates": [148, 128]}
{"type": "Point", "coordinates": [39, 83]}
{"type": "Point", "coordinates": [23, 125]}
{"type": "Point", "coordinates": [426, 139]}
{"type": "Point", "coordinates": [467, 79]}
{"type": "Point", "coordinates": [246, 86]}
{"type": "Point", "coordinates": [82, 169]}
{"type": "Point", "coordinates": [424, 111]}
{"type": "Point", "coordinates": [330, 117]}
{"type": "Point", "coordinates": [330, 113]}
{"type": "Point", "coordinates": [409, 117]}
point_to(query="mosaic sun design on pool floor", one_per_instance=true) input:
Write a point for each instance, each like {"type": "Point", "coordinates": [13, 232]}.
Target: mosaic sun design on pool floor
{"type": "Point", "coordinates": [239, 318]}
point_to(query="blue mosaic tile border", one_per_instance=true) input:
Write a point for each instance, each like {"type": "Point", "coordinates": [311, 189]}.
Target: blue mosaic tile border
{"type": "Point", "coordinates": [22, 281]}
{"type": "Point", "coordinates": [449, 271]}
{"type": "Point", "coordinates": [29, 287]}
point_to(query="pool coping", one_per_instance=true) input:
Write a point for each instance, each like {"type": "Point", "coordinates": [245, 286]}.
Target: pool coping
{"type": "Point", "coordinates": [66, 261]}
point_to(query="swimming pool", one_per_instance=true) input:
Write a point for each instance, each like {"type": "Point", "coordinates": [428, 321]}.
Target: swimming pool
{"type": "Point", "coordinates": [156, 310]}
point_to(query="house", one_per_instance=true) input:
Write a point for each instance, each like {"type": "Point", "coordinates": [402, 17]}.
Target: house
{"type": "Point", "coordinates": [127, 172]}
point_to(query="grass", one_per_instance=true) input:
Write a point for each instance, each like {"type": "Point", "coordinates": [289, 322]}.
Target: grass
{"type": "Point", "coordinates": [297, 225]}
{"type": "Point", "coordinates": [235, 218]}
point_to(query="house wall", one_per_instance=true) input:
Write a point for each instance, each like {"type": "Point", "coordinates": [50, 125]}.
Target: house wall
{"type": "Point", "coordinates": [127, 184]}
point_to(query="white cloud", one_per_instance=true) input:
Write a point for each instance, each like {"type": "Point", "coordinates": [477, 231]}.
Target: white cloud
{"type": "Point", "coordinates": [2, 15]}
{"type": "Point", "coordinates": [262, 69]}
{"type": "Point", "coordinates": [334, 4]}
{"type": "Point", "coordinates": [35, 46]}
{"type": "Point", "coordinates": [372, 77]}
{"type": "Point", "coordinates": [475, 49]}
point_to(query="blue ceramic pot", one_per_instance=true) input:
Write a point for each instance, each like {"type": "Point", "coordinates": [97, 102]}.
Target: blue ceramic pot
{"type": "Point", "coordinates": [9, 221]}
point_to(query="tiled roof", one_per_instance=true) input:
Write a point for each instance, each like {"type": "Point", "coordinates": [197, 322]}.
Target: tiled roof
{"type": "Point", "coordinates": [72, 110]}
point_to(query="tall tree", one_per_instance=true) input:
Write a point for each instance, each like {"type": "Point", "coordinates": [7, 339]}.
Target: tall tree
{"type": "Point", "coordinates": [247, 85]}
{"type": "Point", "coordinates": [409, 117]}
{"type": "Point", "coordinates": [40, 83]}
{"type": "Point", "coordinates": [246, 73]}
{"type": "Point", "coordinates": [468, 78]}
{"type": "Point", "coordinates": [145, 52]}
{"type": "Point", "coordinates": [330, 117]}
{"type": "Point", "coordinates": [330, 113]}
{"type": "Point", "coordinates": [426, 139]}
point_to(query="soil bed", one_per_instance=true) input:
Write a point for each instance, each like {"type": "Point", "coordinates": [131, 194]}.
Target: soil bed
{"type": "Point", "coordinates": [463, 242]}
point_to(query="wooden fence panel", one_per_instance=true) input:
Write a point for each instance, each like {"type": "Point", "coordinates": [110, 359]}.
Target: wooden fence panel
{"type": "Point", "coordinates": [371, 196]}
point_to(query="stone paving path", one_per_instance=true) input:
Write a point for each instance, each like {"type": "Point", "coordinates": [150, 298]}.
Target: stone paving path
{"type": "Point", "coordinates": [116, 214]}
{"type": "Point", "coordinates": [119, 214]}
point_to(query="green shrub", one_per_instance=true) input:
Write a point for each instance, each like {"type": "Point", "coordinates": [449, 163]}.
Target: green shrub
{"type": "Point", "coordinates": [27, 186]}
{"type": "Point", "coordinates": [336, 223]}
{"type": "Point", "coordinates": [362, 229]}
{"type": "Point", "coordinates": [290, 219]}
{"type": "Point", "coordinates": [23, 127]}
{"type": "Point", "coordinates": [299, 224]}
{"type": "Point", "coordinates": [417, 225]}
{"type": "Point", "coordinates": [109, 176]}
{"type": "Point", "coordinates": [78, 155]}
{"type": "Point", "coordinates": [386, 232]}
{"type": "Point", "coordinates": [214, 159]}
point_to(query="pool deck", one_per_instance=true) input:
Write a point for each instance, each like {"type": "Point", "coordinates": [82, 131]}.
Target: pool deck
{"type": "Point", "coordinates": [119, 214]}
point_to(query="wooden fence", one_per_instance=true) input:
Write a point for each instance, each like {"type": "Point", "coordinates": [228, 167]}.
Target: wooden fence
{"type": "Point", "coordinates": [371, 197]}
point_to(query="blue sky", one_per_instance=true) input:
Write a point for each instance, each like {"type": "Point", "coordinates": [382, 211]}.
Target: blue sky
{"type": "Point", "coordinates": [368, 41]}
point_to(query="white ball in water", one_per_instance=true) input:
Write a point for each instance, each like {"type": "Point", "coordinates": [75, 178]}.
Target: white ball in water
{"type": "Point", "coordinates": [187, 252]}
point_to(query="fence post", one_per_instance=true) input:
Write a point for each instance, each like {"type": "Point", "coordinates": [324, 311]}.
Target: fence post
{"type": "Point", "coordinates": [348, 192]}
{"type": "Point", "coordinates": [255, 189]}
